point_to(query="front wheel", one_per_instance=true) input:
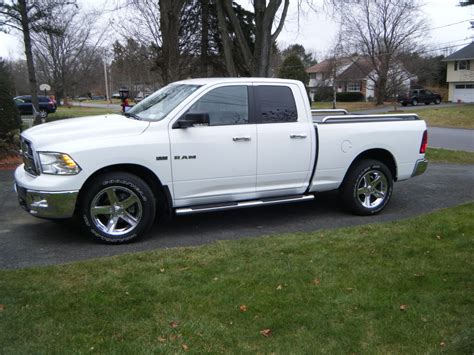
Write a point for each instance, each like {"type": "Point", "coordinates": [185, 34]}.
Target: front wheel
{"type": "Point", "coordinates": [43, 114]}
{"type": "Point", "coordinates": [367, 187]}
{"type": "Point", "coordinates": [117, 208]}
{"type": "Point", "coordinates": [437, 101]}
{"type": "Point", "coordinates": [414, 102]}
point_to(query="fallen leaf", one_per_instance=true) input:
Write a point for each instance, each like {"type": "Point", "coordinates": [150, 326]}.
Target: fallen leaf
{"type": "Point", "coordinates": [2, 307]}
{"type": "Point", "coordinates": [266, 332]}
{"type": "Point", "coordinates": [91, 348]}
{"type": "Point", "coordinates": [243, 308]}
{"type": "Point", "coordinates": [173, 324]}
{"type": "Point", "coordinates": [185, 347]}
{"type": "Point", "coordinates": [161, 339]}
{"type": "Point", "coordinates": [126, 292]}
{"type": "Point", "coordinates": [403, 307]}
{"type": "Point", "coordinates": [438, 237]}
{"type": "Point", "coordinates": [279, 287]}
{"type": "Point", "coordinates": [316, 281]}
{"type": "Point", "coordinates": [162, 270]}
{"type": "Point", "coordinates": [442, 344]}
{"type": "Point", "coordinates": [216, 278]}
{"type": "Point", "coordinates": [349, 289]}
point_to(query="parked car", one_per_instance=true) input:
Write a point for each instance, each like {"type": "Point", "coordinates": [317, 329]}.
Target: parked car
{"type": "Point", "coordinates": [203, 145]}
{"type": "Point", "coordinates": [416, 96]}
{"type": "Point", "coordinates": [46, 105]}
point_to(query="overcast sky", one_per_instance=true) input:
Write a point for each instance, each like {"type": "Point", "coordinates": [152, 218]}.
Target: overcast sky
{"type": "Point", "coordinates": [316, 31]}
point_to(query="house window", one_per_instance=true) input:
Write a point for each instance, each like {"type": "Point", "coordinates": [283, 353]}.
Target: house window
{"type": "Point", "coordinates": [464, 65]}
{"type": "Point", "coordinates": [460, 86]}
{"type": "Point", "coordinates": [353, 86]}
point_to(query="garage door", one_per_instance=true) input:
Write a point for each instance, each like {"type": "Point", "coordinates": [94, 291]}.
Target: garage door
{"type": "Point", "coordinates": [464, 92]}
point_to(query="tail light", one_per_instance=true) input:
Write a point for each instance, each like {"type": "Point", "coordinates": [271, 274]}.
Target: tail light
{"type": "Point", "coordinates": [424, 142]}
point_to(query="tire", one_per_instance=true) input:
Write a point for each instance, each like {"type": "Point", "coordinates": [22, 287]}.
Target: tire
{"type": "Point", "coordinates": [427, 102]}
{"type": "Point", "coordinates": [437, 101]}
{"type": "Point", "coordinates": [357, 192]}
{"type": "Point", "coordinates": [117, 208]}
{"type": "Point", "coordinates": [414, 102]}
{"type": "Point", "coordinates": [43, 114]}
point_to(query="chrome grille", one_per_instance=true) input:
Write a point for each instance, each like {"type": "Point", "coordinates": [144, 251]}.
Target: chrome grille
{"type": "Point", "coordinates": [28, 157]}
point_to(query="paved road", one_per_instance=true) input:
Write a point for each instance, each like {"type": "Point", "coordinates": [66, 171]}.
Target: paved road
{"type": "Point", "coordinates": [390, 108]}
{"type": "Point", "coordinates": [451, 138]}
{"type": "Point", "coordinates": [26, 241]}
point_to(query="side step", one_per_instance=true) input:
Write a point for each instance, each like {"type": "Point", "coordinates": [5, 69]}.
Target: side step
{"type": "Point", "coordinates": [243, 204]}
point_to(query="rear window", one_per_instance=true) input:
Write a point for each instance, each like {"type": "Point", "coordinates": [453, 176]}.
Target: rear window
{"type": "Point", "coordinates": [275, 104]}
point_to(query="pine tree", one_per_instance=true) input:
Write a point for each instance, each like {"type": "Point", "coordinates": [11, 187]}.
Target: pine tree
{"type": "Point", "coordinates": [293, 68]}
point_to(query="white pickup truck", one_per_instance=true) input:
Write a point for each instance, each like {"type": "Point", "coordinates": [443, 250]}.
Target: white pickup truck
{"type": "Point", "coordinates": [213, 144]}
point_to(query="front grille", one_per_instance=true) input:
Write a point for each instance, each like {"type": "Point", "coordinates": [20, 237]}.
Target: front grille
{"type": "Point", "coordinates": [28, 157]}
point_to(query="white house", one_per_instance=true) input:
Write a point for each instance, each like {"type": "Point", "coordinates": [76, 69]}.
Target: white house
{"type": "Point", "coordinates": [460, 74]}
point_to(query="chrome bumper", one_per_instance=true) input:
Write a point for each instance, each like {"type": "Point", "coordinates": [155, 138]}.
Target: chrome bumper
{"type": "Point", "coordinates": [420, 167]}
{"type": "Point", "coordinates": [47, 204]}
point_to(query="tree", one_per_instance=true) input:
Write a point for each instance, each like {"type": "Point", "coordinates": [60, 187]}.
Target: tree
{"type": "Point", "coordinates": [382, 31]}
{"type": "Point", "coordinates": [9, 117]}
{"type": "Point", "coordinates": [299, 50]}
{"type": "Point", "coordinates": [293, 68]}
{"type": "Point", "coordinates": [29, 17]}
{"type": "Point", "coordinates": [257, 59]}
{"type": "Point", "coordinates": [466, 2]}
{"type": "Point", "coordinates": [64, 56]}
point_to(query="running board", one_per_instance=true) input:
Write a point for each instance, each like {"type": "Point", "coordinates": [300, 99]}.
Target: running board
{"type": "Point", "coordinates": [243, 204]}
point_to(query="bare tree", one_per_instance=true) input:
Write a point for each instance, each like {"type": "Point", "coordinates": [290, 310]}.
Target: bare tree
{"type": "Point", "coordinates": [65, 55]}
{"type": "Point", "coordinates": [382, 31]}
{"type": "Point", "coordinates": [28, 17]}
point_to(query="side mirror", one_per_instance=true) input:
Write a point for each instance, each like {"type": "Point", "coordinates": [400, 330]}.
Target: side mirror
{"type": "Point", "coordinates": [192, 119]}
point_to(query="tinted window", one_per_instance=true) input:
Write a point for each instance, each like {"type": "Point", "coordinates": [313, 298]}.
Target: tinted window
{"type": "Point", "coordinates": [225, 106]}
{"type": "Point", "coordinates": [275, 104]}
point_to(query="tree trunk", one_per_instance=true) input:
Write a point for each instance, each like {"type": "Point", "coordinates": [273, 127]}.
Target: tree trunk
{"type": "Point", "coordinates": [204, 37]}
{"type": "Point", "coordinates": [29, 60]}
{"type": "Point", "coordinates": [223, 32]}
{"type": "Point", "coordinates": [169, 21]}
{"type": "Point", "coordinates": [380, 89]}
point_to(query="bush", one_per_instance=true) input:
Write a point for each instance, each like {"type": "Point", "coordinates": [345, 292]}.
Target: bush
{"type": "Point", "coordinates": [349, 96]}
{"type": "Point", "coordinates": [323, 94]}
{"type": "Point", "coordinates": [10, 121]}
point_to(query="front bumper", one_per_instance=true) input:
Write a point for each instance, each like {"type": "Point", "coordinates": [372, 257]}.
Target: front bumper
{"type": "Point", "coordinates": [420, 167]}
{"type": "Point", "coordinates": [47, 204]}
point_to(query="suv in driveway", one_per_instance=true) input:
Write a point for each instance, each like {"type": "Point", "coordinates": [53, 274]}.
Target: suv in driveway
{"type": "Point", "coordinates": [46, 105]}
{"type": "Point", "coordinates": [416, 96]}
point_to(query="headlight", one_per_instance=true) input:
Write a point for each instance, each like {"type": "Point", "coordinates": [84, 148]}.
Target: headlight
{"type": "Point", "coordinates": [58, 164]}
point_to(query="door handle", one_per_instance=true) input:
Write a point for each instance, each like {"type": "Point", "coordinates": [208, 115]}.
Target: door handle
{"type": "Point", "coordinates": [241, 139]}
{"type": "Point", "coordinates": [298, 136]}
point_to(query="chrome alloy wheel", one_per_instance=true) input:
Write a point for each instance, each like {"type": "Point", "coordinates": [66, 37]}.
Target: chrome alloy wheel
{"type": "Point", "coordinates": [372, 189]}
{"type": "Point", "coordinates": [116, 210]}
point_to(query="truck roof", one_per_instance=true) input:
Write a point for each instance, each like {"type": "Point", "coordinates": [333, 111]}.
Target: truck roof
{"type": "Point", "coordinates": [210, 81]}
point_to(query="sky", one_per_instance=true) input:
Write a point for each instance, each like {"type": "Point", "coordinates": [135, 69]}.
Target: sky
{"type": "Point", "coordinates": [316, 30]}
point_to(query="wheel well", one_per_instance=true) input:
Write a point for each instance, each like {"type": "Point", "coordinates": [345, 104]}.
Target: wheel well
{"type": "Point", "coordinates": [381, 155]}
{"type": "Point", "coordinates": [161, 192]}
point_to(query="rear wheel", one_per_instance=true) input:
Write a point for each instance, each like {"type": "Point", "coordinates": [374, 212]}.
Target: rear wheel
{"type": "Point", "coordinates": [117, 208]}
{"type": "Point", "coordinates": [43, 114]}
{"type": "Point", "coordinates": [367, 187]}
{"type": "Point", "coordinates": [437, 101]}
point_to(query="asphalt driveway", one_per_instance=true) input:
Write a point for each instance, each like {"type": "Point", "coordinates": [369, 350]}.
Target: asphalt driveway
{"type": "Point", "coordinates": [26, 241]}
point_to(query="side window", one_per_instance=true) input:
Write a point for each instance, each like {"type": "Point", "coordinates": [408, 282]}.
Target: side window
{"type": "Point", "coordinates": [225, 106]}
{"type": "Point", "coordinates": [428, 92]}
{"type": "Point", "coordinates": [422, 92]}
{"type": "Point", "coordinates": [27, 100]}
{"type": "Point", "coordinates": [275, 104]}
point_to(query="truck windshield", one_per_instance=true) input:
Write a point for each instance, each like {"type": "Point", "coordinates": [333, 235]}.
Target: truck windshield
{"type": "Point", "coordinates": [156, 106]}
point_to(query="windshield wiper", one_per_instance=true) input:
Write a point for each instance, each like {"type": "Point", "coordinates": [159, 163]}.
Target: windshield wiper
{"type": "Point", "coordinates": [132, 115]}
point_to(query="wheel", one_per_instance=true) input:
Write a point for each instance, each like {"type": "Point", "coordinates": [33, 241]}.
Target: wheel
{"type": "Point", "coordinates": [117, 208]}
{"type": "Point", "coordinates": [427, 102]}
{"type": "Point", "coordinates": [437, 101]}
{"type": "Point", "coordinates": [367, 187]}
{"type": "Point", "coordinates": [43, 115]}
{"type": "Point", "coordinates": [414, 102]}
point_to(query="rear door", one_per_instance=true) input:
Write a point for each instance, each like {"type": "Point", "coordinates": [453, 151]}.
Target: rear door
{"type": "Point", "coordinates": [284, 149]}
{"type": "Point", "coordinates": [216, 163]}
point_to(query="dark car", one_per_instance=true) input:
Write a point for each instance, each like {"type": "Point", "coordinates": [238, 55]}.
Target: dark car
{"type": "Point", "coordinates": [416, 96]}
{"type": "Point", "coordinates": [46, 105]}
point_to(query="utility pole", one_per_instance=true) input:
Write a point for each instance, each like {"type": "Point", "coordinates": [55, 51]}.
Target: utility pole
{"type": "Point", "coordinates": [106, 83]}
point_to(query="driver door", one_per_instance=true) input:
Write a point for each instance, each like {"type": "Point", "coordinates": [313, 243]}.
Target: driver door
{"type": "Point", "coordinates": [216, 162]}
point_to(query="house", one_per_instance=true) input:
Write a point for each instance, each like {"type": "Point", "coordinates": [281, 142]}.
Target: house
{"type": "Point", "coordinates": [460, 74]}
{"type": "Point", "coordinates": [354, 74]}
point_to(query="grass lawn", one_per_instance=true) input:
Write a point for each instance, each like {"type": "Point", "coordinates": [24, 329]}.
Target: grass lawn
{"type": "Point", "coordinates": [401, 287]}
{"type": "Point", "coordinates": [461, 116]}
{"type": "Point", "coordinates": [76, 111]}
{"type": "Point", "coordinates": [350, 106]}
{"type": "Point", "coordinates": [438, 155]}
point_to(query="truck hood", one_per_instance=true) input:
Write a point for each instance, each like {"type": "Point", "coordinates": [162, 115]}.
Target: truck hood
{"type": "Point", "coordinates": [84, 128]}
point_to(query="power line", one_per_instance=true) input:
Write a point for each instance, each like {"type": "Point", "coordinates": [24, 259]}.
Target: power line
{"type": "Point", "coordinates": [448, 25]}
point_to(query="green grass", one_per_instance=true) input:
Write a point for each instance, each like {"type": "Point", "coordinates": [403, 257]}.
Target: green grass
{"type": "Point", "coordinates": [335, 291]}
{"type": "Point", "coordinates": [461, 116]}
{"type": "Point", "coordinates": [75, 111]}
{"type": "Point", "coordinates": [438, 155]}
{"type": "Point", "coordinates": [350, 106]}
